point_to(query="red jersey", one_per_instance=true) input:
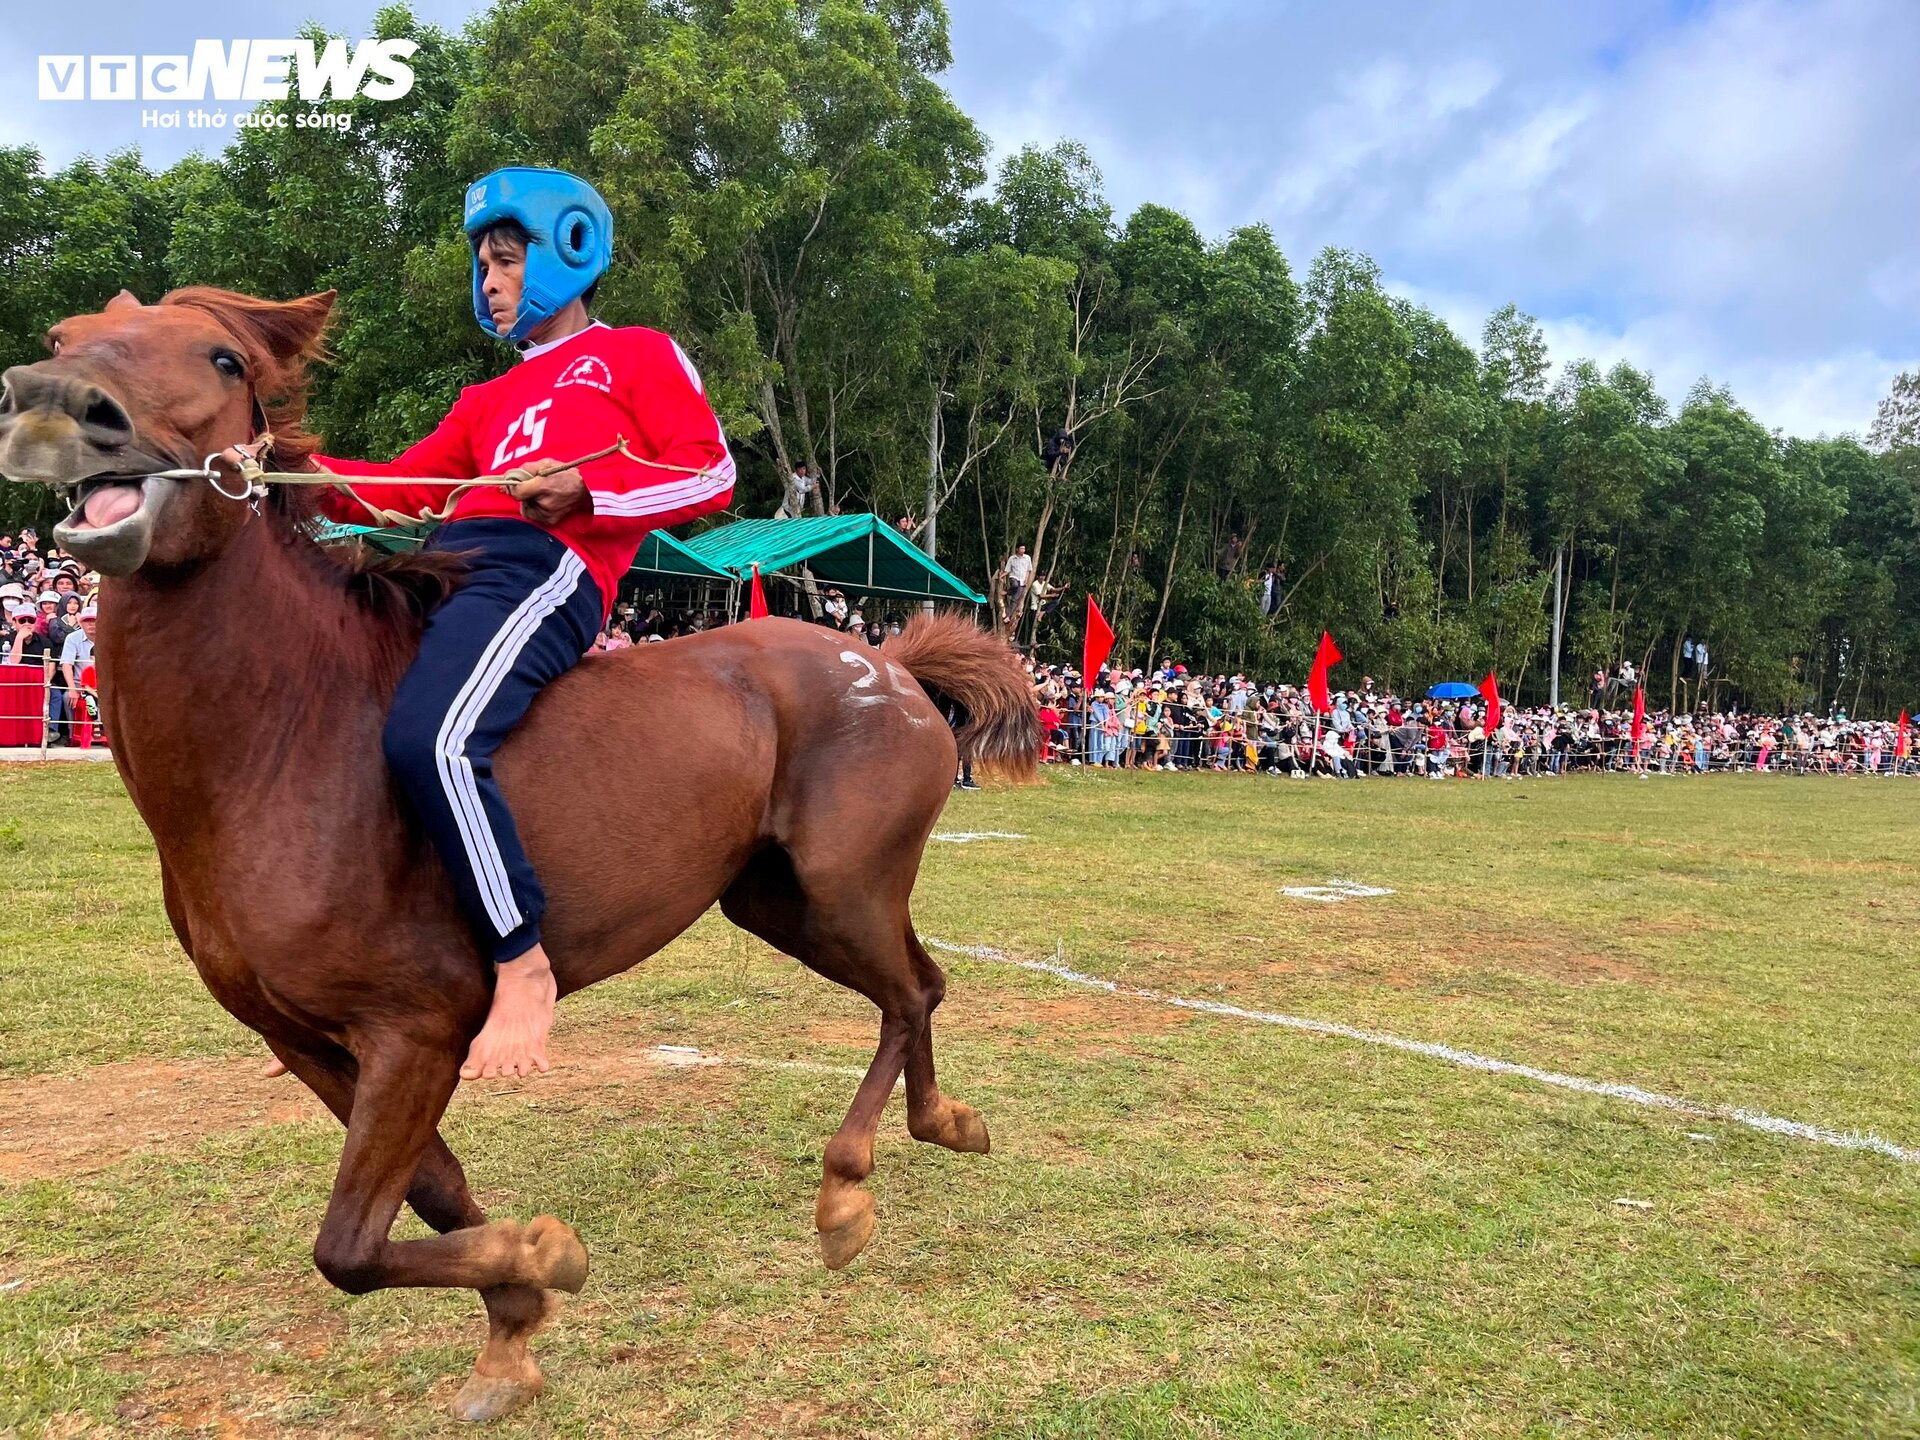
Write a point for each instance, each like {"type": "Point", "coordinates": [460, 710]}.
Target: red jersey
{"type": "Point", "coordinates": [562, 400]}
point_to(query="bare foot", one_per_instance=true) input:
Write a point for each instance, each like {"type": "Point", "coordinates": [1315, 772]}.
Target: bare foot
{"type": "Point", "coordinates": [513, 1042]}
{"type": "Point", "coordinates": [273, 1069]}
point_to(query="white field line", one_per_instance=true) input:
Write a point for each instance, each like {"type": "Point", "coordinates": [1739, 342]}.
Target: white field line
{"type": "Point", "coordinates": [1466, 1059]}
{"type": "Point", "coordinates": [680, 1057]}
{"type": "Point", "coordinates": [1334, 891]}
{"type": "Point", "coordinates": [967, 837]}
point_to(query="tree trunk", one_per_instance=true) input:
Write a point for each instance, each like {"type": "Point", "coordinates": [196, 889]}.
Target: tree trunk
{"type": "Point", "coordinates": [929, 531]}
{"type": "Point", "coordinates": [1559, 621]}
{"type": "Point", "coordinates": [1673, 674]}
{"type": "Point", "coordinates": [1173, 559]}
{"type": "Point", "coordinates": [1469, 504]}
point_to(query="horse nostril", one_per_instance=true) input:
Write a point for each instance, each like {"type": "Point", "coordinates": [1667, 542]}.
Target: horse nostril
{"type": "Point", "coordinates": [104, 413]}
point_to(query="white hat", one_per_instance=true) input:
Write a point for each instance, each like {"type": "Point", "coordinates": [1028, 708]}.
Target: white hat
{"type": "Point", "coordinates": [89, 612]}
{"type": "Point", "coordinates": [19, 608]}
{"type": "Point", "coordinates": [46, 595]}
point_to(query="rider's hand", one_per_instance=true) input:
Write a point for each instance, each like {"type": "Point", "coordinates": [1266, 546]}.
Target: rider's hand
{"type": "Point", "coordinates": [550, 493]}
{"type": "Point", "coordinates": [237, 455]}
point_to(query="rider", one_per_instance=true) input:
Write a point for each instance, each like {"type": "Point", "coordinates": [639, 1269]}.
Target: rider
{"type": "Point", "coordinates": [547, 553]}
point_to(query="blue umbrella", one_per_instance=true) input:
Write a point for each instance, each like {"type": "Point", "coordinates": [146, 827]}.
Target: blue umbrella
{"type": "Point", "coordinates": [1452, 690]}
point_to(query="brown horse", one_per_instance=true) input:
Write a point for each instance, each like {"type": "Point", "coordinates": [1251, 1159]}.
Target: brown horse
{"type": "Point", "coordinates": [788, 772]}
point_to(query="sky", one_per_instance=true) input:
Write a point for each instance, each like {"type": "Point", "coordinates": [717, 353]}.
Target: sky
{"type": "Point", "coordinates": [1729, 190]}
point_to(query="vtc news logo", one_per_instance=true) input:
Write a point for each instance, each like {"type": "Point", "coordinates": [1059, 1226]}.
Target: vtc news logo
{"type": "Point", "coordinates": [236, 70]}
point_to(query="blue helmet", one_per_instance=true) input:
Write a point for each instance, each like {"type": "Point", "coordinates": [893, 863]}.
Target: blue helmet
{"type": "Point", "coordinates": [570, 244]}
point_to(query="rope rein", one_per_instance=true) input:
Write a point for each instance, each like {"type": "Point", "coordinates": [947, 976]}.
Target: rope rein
{"type": "Point", "coordinates": [257, 479]}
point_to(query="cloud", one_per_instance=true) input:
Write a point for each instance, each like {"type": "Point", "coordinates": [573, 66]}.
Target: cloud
{"type": "Point", "coordinates": [1730, 189]}
{"type": "Point", "coordinates": [1385, 111]}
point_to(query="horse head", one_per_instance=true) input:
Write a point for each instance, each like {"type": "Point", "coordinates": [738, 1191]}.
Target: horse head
{"type": "Point", "coordinates": [139, 389]}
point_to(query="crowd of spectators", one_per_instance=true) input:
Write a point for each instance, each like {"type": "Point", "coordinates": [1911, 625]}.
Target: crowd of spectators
{"type": "Point", "coordinates": [639, 622]}
{"type": "Point", "coordinates": [1170, 719]}
{"type": "Point", "coordinates": [47, 599]}
{"type": "Point", "coordinates": [1166, 719]}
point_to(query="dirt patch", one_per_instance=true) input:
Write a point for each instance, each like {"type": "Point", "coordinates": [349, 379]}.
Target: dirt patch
{"type": "Point", "coordinates": [860, 1034]}
{"type": "Point", "coordinates": [216, 1393]}
{"type": "Point", "coordinates": [70, 1124]}
{"type": "Point", "coordinates": [232, 1391]}
{"type": "Point", "coordinates": [1541, 957]}
{"type": "Point", "coordinates": [75, 1124]}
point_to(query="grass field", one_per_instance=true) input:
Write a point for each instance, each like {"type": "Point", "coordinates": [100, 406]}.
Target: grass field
{"type": "Point", "coordinates": [1191, 1225]}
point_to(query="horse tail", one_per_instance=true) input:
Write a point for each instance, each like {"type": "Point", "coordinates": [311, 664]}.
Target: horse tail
{"type": "Point", "coordinates": [978, 682]}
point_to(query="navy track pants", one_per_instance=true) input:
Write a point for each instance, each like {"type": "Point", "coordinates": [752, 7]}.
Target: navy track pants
{"type": "Point", "coordinates": [526, 615]}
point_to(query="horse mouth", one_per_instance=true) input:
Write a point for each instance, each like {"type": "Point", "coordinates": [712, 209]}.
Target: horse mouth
{"type": "Point", "coordinates": [111, 525]}
{"type": "Point", "coordinates": [103, 501]}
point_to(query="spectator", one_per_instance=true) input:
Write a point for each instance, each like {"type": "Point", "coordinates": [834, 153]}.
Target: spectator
{"type": "Point", "coordinates": [1018, 572]}
{"type": "Point", "coordinates": [1272, 591]}
{"type": "Point", "coordinates": [1057, 451]}
{"type": "Point", "coordinates": [76, 652]}
{"type": "Point", "coordinates": [799, 492]}
{"type": "Point", "coordinates": [27, 643]}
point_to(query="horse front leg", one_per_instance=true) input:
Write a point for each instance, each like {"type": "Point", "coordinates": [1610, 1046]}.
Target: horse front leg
{"type": "Point", "coordinates": [393, 1154]}
{"type": "Point", "coordinates": [506, 1375]}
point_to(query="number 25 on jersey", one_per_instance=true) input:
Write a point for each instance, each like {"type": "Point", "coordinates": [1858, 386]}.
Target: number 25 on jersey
{"type": "Point", "coordinates": [530, 428]}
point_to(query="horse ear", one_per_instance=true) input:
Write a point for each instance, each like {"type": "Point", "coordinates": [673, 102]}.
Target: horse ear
{"type": "Point", "coordinates": [124, 300]}
{"type": "Point", "coordinates": [307, 320]}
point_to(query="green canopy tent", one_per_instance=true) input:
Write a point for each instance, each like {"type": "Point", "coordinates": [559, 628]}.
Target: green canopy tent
{"type": "Point", "coordinates": [660, 553]}
{"type": "Point", "coordinates": [861, 553]}
{"type": "Point", "coordinates": [391, 539]}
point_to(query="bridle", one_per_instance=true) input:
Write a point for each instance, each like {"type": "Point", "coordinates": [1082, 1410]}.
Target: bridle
{"type": "Point", "coordinates": [254, 489]}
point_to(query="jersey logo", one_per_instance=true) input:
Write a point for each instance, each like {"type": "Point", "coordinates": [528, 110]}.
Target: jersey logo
{"type": "Point", "coordinates": [529, 428]}
{"type": "Point", "coordinates": [587, 370]}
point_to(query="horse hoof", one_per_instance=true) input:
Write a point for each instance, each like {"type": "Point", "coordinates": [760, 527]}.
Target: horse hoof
{"type": "Point", "coordinates": [840, 1243]}
{"type": "Point", "coordinates": [488, 1397]}
{"type": "Point", "coordinates": [968, 1131]}
{"type": "Point", "coordinates": [958, 1128]}
{"type": "Point", "coordinates": [559, 1257]}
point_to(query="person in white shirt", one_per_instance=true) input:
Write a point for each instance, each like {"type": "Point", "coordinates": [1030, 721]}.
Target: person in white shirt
{"type": "Point", "coordinates": [1019, 573]}
{"type": "Point", "coordinates": [799, 488]}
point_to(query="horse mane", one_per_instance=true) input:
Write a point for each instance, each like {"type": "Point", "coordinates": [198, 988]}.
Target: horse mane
{"type": "Point", "coordinates": [280, 341]}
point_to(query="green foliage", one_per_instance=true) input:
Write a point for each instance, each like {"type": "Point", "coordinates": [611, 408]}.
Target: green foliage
{"type": "Point", "coordinates": [803, 205]}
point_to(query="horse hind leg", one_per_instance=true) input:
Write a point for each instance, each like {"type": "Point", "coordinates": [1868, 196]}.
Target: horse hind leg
{"type": "Point", "coordinates": [860, 940]}
{"type": "Point", "coordinates": [933, 1117]}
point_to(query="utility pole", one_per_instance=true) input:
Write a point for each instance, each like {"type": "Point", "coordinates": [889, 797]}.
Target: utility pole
{"type": "Point", "coordinates": [1559, 616]}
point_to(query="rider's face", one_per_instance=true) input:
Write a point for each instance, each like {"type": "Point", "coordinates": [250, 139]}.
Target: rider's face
{"type": "Point", "coordinates": [503, 267]}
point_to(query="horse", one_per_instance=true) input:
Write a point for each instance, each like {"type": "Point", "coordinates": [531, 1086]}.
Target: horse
{"type": "Point", "coordinates": [788, 772]}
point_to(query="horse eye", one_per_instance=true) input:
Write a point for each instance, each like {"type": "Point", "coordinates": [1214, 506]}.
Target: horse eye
{"type": "Point", "coordinates": [227, 363]}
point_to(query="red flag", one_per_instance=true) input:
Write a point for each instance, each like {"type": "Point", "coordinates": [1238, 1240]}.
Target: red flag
{"type": "Point", "coordinates": [757, 602]}
{"type": "Point", "coordinates": [1639, 716]}
{"type": "Point", "coordinates": [1099, 641]}
{"type": "Point", "coordinates": [1900, 738]}
{"type": "Point", "coordinates": [1490, 692]}
{"type": "Point", "coordinates": [1324, 659]}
